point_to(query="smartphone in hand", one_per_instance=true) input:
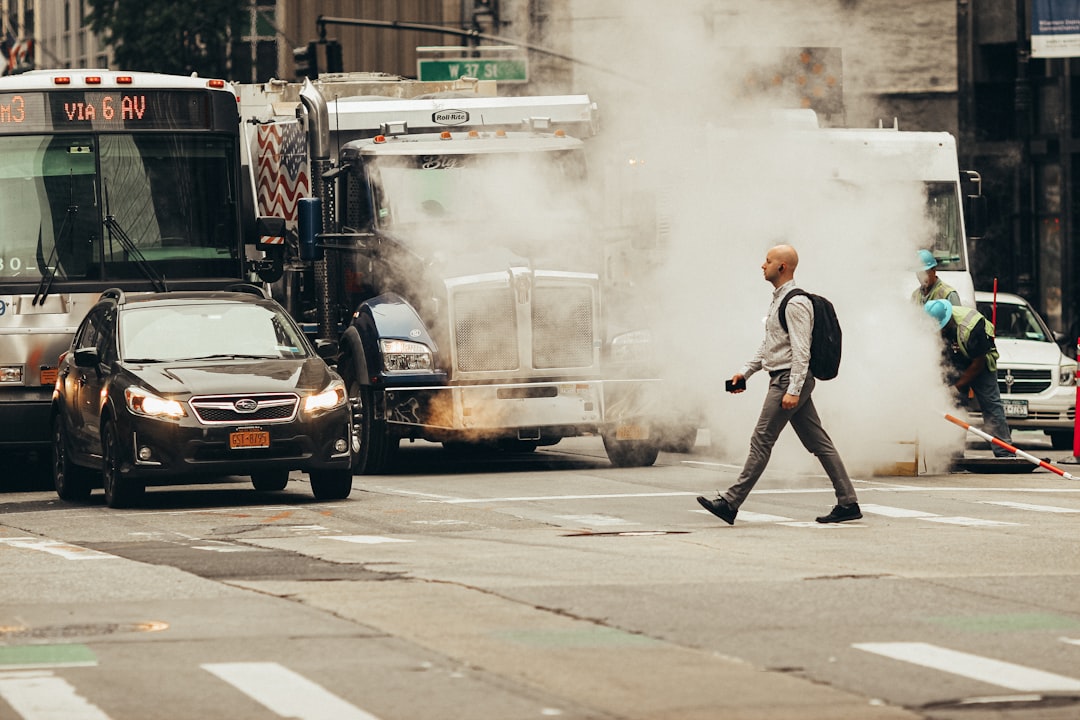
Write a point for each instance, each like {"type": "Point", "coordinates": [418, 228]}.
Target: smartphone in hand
{"type": "Point", "coordinates": [733, 386]}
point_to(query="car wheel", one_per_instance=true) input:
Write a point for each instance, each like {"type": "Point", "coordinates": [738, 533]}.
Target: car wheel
{"type": "Point", "coordinates": [630, 453]}
{"type": "Point", "coordinates": [331, 484]}
{"type": "Point", "coordinates": [270, 480]}
{"type": "Point", "coordinates": [1061, 440]}
{"type": "Point", "coordinates": [372, 446]}
{"type": "Point", "coordinates": [119, 491]}
{"type": "Point", "coordinates": [72, 482]}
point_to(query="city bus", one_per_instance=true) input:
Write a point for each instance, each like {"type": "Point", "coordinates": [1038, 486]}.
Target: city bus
{"type": "Point", "coordinates": [107, 179]}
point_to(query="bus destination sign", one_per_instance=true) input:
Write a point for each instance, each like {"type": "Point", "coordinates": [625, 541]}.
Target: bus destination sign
{"type": "Point", "coordinates": [56, 111]}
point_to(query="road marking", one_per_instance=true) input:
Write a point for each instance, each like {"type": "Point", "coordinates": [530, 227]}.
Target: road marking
{"type": "Point", "coordinates": [226, 548]}
{"type": "Point", "coordinates": [1070, 641]}
{"type": "Point", "coordinates": [753, 517]}
{"type": "Point", "coordinates": [364, 539]}
{"type": "Point", "coordinates": [42, 696]}
{"type": "Point", "coordinates": [596, 520]}
{"type": "Point", "coordinates": [535, 498]}
{"type": "Point", "coordinates": [28, 657]}
{"type": "Point", "coordinates": [53, 547]}
{"type": "Point", "coordinates": [974, 667]}
{"type": "Point", "coordinates": [968, 521]}
{"type": "Point", "coordinates": [1026, 506]}
{"type": "Point", "coordinates": [895, 512]}
{"type": "Point", "coordinates": [286, 693]}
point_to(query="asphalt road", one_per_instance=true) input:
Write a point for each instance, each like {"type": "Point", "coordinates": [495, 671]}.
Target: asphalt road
{"type": "Point", "coordinates": [545, 585]}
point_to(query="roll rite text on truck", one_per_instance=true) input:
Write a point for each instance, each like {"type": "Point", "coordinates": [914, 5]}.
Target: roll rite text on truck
{"type": "Point", "coordinates": [447, 247]}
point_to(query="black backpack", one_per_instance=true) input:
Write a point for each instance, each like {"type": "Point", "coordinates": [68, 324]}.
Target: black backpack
{"type": "Point", "coordinates": [826, 338]}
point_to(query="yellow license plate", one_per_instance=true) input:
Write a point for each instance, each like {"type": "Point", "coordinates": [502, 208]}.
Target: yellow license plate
{"type": "Point", "coordinates": [249, 439]}
{"type": "Point", "coordinates": [632, 432]}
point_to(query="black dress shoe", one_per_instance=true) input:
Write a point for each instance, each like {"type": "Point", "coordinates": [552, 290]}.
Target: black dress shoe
{"type": "Point", "coordinates": [842, 513]}
{"type": "Point", "coordinates": [720, 508]}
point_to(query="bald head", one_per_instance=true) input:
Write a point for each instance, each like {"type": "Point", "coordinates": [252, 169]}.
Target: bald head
{"type": "Point", "coordinates": [780, 263]}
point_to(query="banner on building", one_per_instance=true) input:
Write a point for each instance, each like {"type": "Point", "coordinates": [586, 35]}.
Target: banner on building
{"type": "Point", "coordinates": [1055, 28]}
{"type": "Point", "coordinates": [16, 55]}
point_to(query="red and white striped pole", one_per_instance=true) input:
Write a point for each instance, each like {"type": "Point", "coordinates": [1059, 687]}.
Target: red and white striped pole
{"type": "Point", "coordinates": [1011, 448]}
{"type": "Point", "coordinates": [1076, 424]}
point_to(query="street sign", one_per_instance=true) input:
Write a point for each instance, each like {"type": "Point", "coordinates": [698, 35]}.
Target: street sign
{"type": "Point", "coordinates": [480, 68]}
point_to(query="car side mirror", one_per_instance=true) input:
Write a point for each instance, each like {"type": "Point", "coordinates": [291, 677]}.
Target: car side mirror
{"type": "Point", "coordinates": [327, 349]}
{"type": "Point", "coordinates": [86, 357]}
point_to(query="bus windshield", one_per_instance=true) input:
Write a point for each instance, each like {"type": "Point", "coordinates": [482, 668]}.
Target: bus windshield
{"type": "Point", "coordinates": [66, 200]}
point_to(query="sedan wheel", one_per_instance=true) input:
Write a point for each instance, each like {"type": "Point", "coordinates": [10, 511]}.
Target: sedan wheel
{"type": "Point", "coordinates": [270, 480]}
{"type": "Point", "coordinates": [72, 482]}
{"type": "Point", "coordinates": [331, 484]}
{"type": "Point", "coordinates": [119, 491]}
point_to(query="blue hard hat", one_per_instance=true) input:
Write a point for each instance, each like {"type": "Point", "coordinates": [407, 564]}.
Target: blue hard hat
{"type": "Point", "coordinates": [927, 260]}
{"type": "Point", "coordinates": [940, 310]}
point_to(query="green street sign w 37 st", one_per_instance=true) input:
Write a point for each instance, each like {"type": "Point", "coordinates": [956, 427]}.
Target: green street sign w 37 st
{"type": "Point", "coordinates": [454, 68]}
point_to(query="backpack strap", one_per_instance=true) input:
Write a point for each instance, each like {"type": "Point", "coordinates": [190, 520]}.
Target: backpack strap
{"type": "Point", "coordinates": [782, 312]}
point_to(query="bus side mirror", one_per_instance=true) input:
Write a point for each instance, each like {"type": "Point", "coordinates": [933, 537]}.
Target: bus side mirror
{"type": "Point", "coordinates": [270, 230]}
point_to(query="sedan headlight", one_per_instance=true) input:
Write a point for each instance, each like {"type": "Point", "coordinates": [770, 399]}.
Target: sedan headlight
{"type": "Point", "coordinates": [405, 356]}
{"type": "Point", "coordinates": [1067, 375]}
{"type": "Point", "coordinates": [145, 403]}
{"type": "Point", "coordinates": [329, 399]}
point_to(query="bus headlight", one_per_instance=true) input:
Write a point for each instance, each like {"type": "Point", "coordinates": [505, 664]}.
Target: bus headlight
{"type": "Point", "coordinates": [632, 347]}
{"type": "Point", "coordinates": [330, 398]}
{"type": "Point", "coordinates": [11, 374]}
{"type": "Point", "coordinates": [405, 356]}
{"type": "Point", "coordinates": [145, 403]}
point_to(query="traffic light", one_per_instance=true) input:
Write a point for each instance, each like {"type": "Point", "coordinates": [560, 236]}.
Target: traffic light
{"type": "Point", "coordinates": [334, 63]}
{"type": "Point", "coordinates": [306, 61]}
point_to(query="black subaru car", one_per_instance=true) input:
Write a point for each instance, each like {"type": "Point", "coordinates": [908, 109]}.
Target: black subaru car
{"type": "Point", "coordinates": [164, 388]}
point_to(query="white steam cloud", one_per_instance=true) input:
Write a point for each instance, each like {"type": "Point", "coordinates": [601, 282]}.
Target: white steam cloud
{"type": "Point", "coordinates": [726, 197]}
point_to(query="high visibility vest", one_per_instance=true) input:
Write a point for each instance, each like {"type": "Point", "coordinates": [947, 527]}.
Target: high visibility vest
{"type": "Point", "coordinates": [967, 319]}
{"type": "Point", "coordinates": [940, 291]}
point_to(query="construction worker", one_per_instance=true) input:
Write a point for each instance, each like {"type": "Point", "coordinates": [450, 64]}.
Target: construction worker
{"type": "Point", "coordinates": [931, 287]}
{"type": "Point", "coordinates": [971, 359]}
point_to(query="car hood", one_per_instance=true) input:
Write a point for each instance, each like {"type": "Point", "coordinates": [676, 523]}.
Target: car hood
{"type": "Point", "coordinates": [1028, 352]}
{"type": "Point", "coordinates": [231, 377]}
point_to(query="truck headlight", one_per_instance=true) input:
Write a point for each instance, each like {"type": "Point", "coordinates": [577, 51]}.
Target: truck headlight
{"type": "Point", "coordinates": [1067, 375]}
{"type": "Point", "coordinates": [632, 347]}
{"type": "Point", "coordinates": [405, 356]}
{"type": "Point", "coordinates": [145, 403]}
{"type": "Point", "coordinates": [330, 398]}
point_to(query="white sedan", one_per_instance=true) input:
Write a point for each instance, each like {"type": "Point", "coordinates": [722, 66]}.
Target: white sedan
{"type": "Point", "coordinates": [1037, 381]}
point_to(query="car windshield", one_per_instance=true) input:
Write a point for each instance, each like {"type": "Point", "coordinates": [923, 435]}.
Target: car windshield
{"type": "Point", "coordinates": [1016, 322]}
{"type": "Point", "coordinates": [203, 331]}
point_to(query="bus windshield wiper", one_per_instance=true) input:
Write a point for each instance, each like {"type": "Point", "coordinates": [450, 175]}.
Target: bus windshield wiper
{"type": "Point", "coordinates": [52, 265]}
{"type": "Point", "coordinates": [116, 231]}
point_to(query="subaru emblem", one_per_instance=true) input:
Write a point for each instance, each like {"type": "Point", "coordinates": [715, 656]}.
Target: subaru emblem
{"type": "Point", "coordinates": [246, 405]}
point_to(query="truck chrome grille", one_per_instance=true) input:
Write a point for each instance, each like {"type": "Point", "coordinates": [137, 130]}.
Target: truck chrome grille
{"type": "Point", "coordinates": [485, 330]}
{"type": "Point", "coordinates": [562, 327]}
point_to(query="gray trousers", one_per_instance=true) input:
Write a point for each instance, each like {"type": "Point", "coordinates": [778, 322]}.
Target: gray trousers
{"type": "Point", "coordinates": [804, 419]}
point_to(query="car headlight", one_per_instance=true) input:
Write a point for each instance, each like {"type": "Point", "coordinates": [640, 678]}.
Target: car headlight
{"type": "Point", "coordinates": [405, 356]}
{"type": "Point", "coordinates": [632, 347]}
{"type": "Point", "coordinates": [330, 398]}
{"type": "Point", "coordinates": [145, 403]}
{"type": "Point", "coordinates": [1067, 375]}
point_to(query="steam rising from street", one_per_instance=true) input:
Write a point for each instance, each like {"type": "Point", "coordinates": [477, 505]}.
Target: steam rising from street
{"type": "Point", "coordinates": [730, 196]}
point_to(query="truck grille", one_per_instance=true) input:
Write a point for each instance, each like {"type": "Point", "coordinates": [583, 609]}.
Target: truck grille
{"type": "Point", "coordinates": [1023, 382]}
{"type": "Point", "coordinates": [500, 328]}
{"type": "Point", "coordinates": [223, 409]}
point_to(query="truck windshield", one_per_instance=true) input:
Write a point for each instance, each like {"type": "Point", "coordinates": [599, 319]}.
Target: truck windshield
{"type": "Point", "coordinates": [171, 194]}
{"type": "Point", "coordinates": [500, 190]}
{"type": "Point", "coordinates": [943, 213]}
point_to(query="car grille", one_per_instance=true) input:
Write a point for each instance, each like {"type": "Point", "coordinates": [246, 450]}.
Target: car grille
{"type": "Point", "coordinates": [487, 336]}
{"type": "Point", "coordinates": [265, 408]}
{"type": "Point", "coordinates": [1024, 382]}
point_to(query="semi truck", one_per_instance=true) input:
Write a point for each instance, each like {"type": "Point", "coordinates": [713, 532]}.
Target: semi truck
{"type": "Point", "coordinates": [441, 235]}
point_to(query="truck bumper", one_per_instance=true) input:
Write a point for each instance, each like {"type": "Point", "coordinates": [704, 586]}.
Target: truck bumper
{"type": "Point", "coordinates": [25, 418]}
{"type": "Point", "coordinates": [565, 407]}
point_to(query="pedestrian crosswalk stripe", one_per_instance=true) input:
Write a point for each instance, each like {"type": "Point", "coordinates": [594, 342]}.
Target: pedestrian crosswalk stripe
{"type": "Point", "coordinates": [364, 539]}
{"type": "Point", "coordinates": [895, 512]}
{"type": "Point", "coordinates": [37, 695]}
{"type": "Point", "coordinates": [969, 521]}
{"type": "Point", "coordinates": [975, 667]}
{"type": "Point", "coordinates": [753, 517]}
{"type": "Point", "coordinates": [54, 547]}
{"type": "Point", "coordinates": [1027, 506]}
{"type": "Point", "coordinates": [285, 692]}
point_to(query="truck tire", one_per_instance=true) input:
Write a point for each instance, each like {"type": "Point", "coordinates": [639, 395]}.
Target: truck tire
{"type": "Point", "coordinates": [630, 453]}
{"type": "Point", "coordinates": [679, 438]}
{"type": "Point", "coordinates": [1061, 440]}
{"type": "Point", "coordinates": [372, 448]}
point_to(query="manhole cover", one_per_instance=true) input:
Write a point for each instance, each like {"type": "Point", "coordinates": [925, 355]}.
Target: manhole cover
{"type": "Point", "coordinates": [48, 632]}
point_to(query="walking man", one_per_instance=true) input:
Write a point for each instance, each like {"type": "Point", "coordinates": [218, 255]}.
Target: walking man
{"type": "Point", "coordinates": [971, 361]}
{"type": "Point", "coordinates": [785, 355]}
